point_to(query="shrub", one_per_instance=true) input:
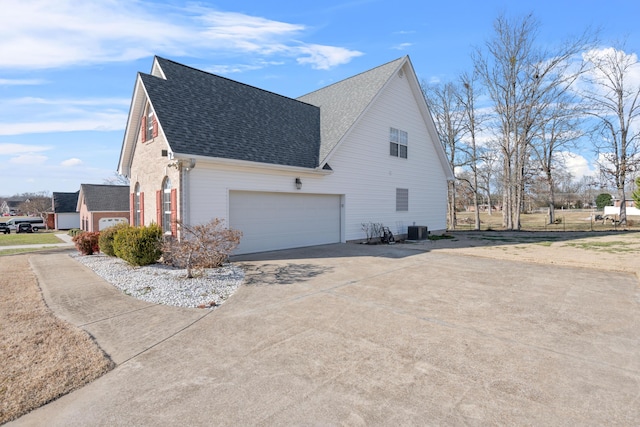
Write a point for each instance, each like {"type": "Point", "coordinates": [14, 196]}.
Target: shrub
{"type": "Point", "coordinates": [74, 232]}
{"type": "Point", "coordinates": [87, 242]}
{"type": "Point", "coordinates": [106, 238]}
{"type": "Point", "coordinates": [201, 246]}
{"type": "Point", "coordinates": [138, 245]}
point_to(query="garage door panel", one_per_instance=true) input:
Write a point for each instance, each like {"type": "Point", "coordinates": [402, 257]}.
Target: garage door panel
{"type": "Point", "coordinates": [271, 221]}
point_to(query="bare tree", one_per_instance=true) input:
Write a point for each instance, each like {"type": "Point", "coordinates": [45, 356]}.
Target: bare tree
{"type": "Point", "coordinates": [486, 176]}
{"type": "Point", "coordinates": [37, 204]}
{"type": "Point", "coordinates": [557, 131]}
{"type": "Point", "coordinates": [471, 126]}
{"type": "Point", "coordinates": [444, 103]}
{"type": "Point", "coordinates": [116, 179]}
{"type": "Point", "coordinates": [614, 101]}
{"type": "Point", "coordinates": [522, 82]}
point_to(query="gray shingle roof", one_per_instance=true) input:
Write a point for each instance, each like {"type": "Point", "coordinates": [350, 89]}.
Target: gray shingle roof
{"type": "Point", "coordinates": [343, 102]}
{"type": "Point", "coordinates": [65, 202]}
{"type": "Point", "coordinates": [208, 115]}
{"type": "Point", "coordinates": [105, 198]}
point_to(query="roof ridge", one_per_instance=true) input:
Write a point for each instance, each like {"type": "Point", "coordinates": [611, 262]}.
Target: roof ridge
{"type": "Point", "coordinates": [354, 76]}
{"type": "Point", "coordinates": [222, 77]}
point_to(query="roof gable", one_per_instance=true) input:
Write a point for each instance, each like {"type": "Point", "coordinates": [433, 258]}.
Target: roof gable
{"type": "Point", "coordinates": [104, 198]}
{"type": "Point", "coordinates": [342, 103]}
{"type": "Point", "coordinates": [202, 114]}
{"type": "Point", "coordinates": [65, 202]}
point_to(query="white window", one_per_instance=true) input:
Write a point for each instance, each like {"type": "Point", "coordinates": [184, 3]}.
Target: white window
{"type": "Point", "coordinates": [166, 205]}
{"type": "Point", "coordinates": [398, 141]}
{"type": "Point", "coordinates": [150, 122]}
{"type": "Point", "coordinates": [136, 206]}
{"type": "Point", "coordinates": [402, 199]}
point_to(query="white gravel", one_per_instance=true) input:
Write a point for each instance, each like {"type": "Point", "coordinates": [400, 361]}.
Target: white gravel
{"type": "Point", "coordinates": [162, 284]}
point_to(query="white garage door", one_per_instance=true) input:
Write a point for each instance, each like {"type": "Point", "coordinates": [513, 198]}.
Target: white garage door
{"type": "Point", "coordinates": [272, 221]}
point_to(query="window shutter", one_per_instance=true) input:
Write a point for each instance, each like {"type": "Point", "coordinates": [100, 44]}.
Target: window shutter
{"type": "Point", "coordinates": [159, 208]}
{"type": "Point", "coordinates": [174, 212]}
{"type": "Point", "coordinates": [155, 127]}
{"type": "Point", "coordinates": [141, 208]}
{"type": "Point", "coordinates": [132, 208]}
{"type": "Point", "coordinates": [143, 129]}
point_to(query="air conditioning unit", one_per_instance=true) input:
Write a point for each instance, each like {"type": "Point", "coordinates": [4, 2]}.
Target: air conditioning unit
{"type": "Point", "coordinates": [417, 232]}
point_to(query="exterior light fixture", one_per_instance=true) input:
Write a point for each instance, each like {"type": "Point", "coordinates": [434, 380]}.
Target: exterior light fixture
{"type": "Point", "coordinates": [298, 183]}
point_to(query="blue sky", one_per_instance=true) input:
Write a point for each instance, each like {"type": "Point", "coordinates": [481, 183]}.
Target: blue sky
{"type": "Point", "coordinates": [67, 68]}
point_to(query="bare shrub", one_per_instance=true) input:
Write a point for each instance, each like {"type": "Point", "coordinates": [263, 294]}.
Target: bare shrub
{"type": "Point", "coordinates": [201, 246]}
{"type": "Point", "coordinates": [373, 230]}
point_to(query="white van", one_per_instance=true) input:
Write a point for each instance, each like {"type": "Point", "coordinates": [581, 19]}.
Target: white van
{"type": "Point", "coordinates": [36, 223]}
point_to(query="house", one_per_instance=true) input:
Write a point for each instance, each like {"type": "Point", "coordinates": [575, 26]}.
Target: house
{"type": "Point", "coordinates": [101, 206]}
{"type": "Point", "coordinates": [65, 216]}
{"type": "Point", "coordinates": [286, 172]}
{"type": "Point", "coordinates": [12, 206]}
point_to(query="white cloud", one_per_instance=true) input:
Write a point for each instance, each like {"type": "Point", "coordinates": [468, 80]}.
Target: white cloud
{"type": "Point", "coordinates": [71, 162]}
{"type": "Point", "coordinates": [402, 46]}
{"type": "Point", "coordinates": [21, 82]}
{"type": "Point", "coordinates": [597, 81]}
{"type": "Point", "coordinates": [66, 33]}
{"type": "Point", "coordinates": [576, 164]}
{"type": "Point", "coordinates": [98, 122]}
{"type": "Point", "coordinates": [11, 149]}
{"type": "Point", "coordinates": [325, 57]}
{"type": "Point", "coordinates": [30, 115]}
{"type": "Point", "coordinates": [29, 159]}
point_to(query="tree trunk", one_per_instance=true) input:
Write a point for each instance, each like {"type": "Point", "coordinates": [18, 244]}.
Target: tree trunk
{"type": "Point", "coordinates": [623, 205]}
{"type": "Point", "coordinates": [552, 202]}
{"type": "Point", "coordinates": [452, 205]}
{"type": "Point", "coordinates": [475, 198]}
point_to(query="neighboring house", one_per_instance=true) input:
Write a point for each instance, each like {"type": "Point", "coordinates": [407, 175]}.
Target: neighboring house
{"type": "Point", "coordinates": [631, 208]}
{"type": "Point", "coordinates": [12, 206]}
{"type": "Point", "coordinates": [101, 206]}
{"type": "Point", "coordinates": [286, 172]}
{"type": "Point", "coordinates": [65, 216]}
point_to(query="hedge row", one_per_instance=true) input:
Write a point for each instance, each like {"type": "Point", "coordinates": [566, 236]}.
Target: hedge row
{"type": "Point", "coordinates": [136, 245]}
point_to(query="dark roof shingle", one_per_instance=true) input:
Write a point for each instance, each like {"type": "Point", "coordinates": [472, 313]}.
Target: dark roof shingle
{"type": "Point", "coordinates": [65, 202]}
{"type": "Point", "coordinates": [207, 115]}
{"type": "Point", "coordinates": [105, 198]}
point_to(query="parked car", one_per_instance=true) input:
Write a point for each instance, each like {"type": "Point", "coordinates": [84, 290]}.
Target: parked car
{"type": "Point", "coordinates": [24, 227]}
{"type": "Point", "coordinates": [36, 223]}
{"type": "Point", "coordinates": [4, 228]}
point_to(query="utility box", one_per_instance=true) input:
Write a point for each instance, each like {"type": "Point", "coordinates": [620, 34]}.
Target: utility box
{"type": "Point", "coordinates": [417, 232]}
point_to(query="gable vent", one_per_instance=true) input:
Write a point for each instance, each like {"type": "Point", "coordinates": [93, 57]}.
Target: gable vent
{"type": "Point", "coordinates": [401, 73]}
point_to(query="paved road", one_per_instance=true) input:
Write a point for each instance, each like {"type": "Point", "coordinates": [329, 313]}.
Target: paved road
{"type": "Point", "coordinates": [355, 335]}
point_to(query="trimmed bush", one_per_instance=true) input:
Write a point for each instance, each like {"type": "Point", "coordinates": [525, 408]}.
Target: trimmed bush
{"type": "Point", "coordinates": [106, 238]}
{"type": "Point", "coordinates": [138, 245]}
{"type": "Point", "coordinates": [74, 232]}
{"type": "Point", "coordinates": [87, 242]}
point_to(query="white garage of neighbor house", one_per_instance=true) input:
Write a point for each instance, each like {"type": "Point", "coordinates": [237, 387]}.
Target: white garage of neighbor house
{"type": "Point", "coordinates": [64, 210]}
{"type": "Point", "coordinates": [286, 172]}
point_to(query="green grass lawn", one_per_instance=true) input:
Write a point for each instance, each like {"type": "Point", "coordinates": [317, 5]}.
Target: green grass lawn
{"type": "Point", "coordinates": [38, 238]}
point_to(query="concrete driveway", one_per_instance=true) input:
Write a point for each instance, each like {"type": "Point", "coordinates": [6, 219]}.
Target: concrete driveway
{"type": "Point", "coordinates": [385, 335]}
